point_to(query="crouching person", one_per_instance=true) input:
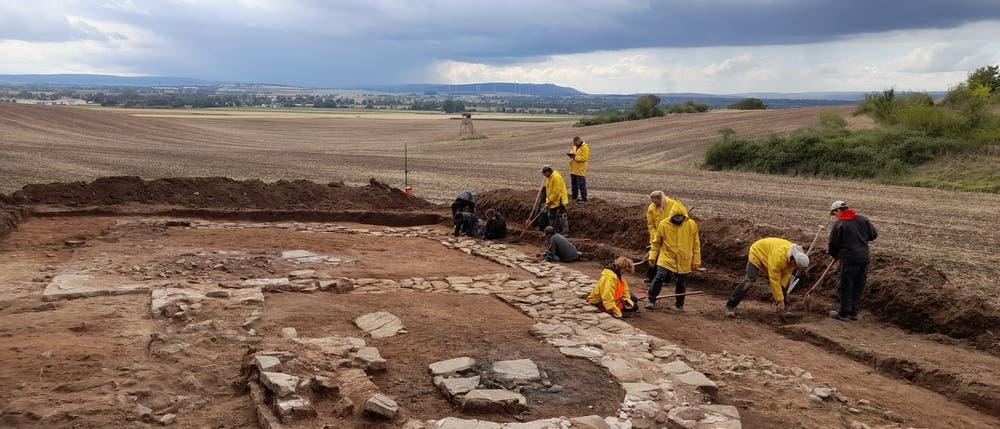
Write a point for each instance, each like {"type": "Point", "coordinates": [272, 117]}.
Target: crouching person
{"type": "Point", "coordinates": [496, 225]}
{"type": "Point", "coordinates": [611, 293]}
{"type": "Point", "coordinates": [560, 249]}
{"type": "Point", "coordinates": [466, 224]}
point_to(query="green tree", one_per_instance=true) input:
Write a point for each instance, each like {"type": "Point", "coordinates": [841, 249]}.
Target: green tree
{"type": "Point", "coordinates": [647, 107]}
{"type": "Point", "coordinates": [748, 104]}
{"type": "Point", "coordinates": [987, 76]}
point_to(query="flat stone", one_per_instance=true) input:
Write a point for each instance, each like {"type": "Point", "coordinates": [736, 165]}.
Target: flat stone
{"type": "Point", "coordinates": [297, 254]}
{"type": "Point", "coordinates": [334, 345]}
{"type": "Point", "coordinates": [370, 359]}
{"type": "Point", "coordinates": [589, 422]}
{"type": "Point", "coordinates": [621, 370]}
{"type": "Point", "coordinates": [584, 352]}
{"type": "Point", "coordinates": [676, 367]}
{"type": "Point", "coordinates": [267, 363]}
{"type": "Point", "coordinates": [289, 333]}
{"type": "Point", "coordinates": [247, 296]}
{"type": "Point", "coordinates": [457, 423]}
{"type": "Point", "coordinates": [548, 330]}
{"type": "Point", "coordinates": [729, 411]}
{"type": "Point", "coordinates": [494, 400]}
{"type": "Point", "coordinates": [167, 301]}
{"type": "Point", "coordinates": [698, 380]}
{"type": "Point", "coordinates": [381, 405]}
{"type": "Point", "coordinates": [454, 387]}
{"type": "Point", "coordinates": [71, 286]}
{"type": "Point", "coordinates": [302, 274]}
{"type": "Point", "coordinates": [325, 386]}
{"type": "Point", "coordinates": [294, 407]}
{"type": "Point", "coordinates": [536, 424]}
{"type": "Point", "coordinates": [379, 325]}
{"type": "Point", "coordinates": [823, 392]}
{"type": "Point", "coordinates": [280, 383]}
{"type": "Point", "coordinates": [516, 372]}
{"type": "Point", "coordinates": [167, 419]}
{"type": "Point", "coordinates": [452, 366]}
{"type": "Point", "coordinates": [265, 282]}
{"type": "Point", "coordinates": [641, 391]}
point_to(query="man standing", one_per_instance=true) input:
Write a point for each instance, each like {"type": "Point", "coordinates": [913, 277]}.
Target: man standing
{"type": "Point", "coordinates": [849, 239]}
{"type": "Point", "coordinates": [778, 258]}
{"type": "Point", "coordinates": [578, 157]}
{"type": "Point", "coordinates": [560, 249]}
{"type": "Point", "coordinates": [556, 200]}
{"type": "Point", "coordinates": [675, 252]}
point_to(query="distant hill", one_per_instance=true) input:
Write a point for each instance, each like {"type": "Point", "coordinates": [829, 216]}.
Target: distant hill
{"type": "Point", "coordinates": [488, 88]}
{"type": "Point", "coordinates": [99, 80]}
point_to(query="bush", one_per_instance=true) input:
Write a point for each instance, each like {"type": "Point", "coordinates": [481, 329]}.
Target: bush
{"type": "Point", "coordinates": [831, 119]}
{"type": "Point", "coordinates": [748, 104]}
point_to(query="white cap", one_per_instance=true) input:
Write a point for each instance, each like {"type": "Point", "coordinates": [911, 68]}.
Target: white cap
{"type": "Point", "coordinates": [801, 259]}
{"type": "Point", "coordinates": [838, 205]}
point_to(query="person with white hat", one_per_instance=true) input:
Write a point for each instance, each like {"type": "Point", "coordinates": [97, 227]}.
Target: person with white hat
{"type": "Point", "coordinates": [778, 258]}
{"type": "Point", "coordinates": [849, 239]}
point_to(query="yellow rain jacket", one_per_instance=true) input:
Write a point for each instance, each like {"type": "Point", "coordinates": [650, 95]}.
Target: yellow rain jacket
{"type": "Point", "coordinates": [612, 293]}
{"type": "Point", "coordinates": [770, 255]}
{"type": "Point", "coordinates": [676, 247]}
{"type": "Point", "coordinates": [654, 215]}
{"type": "Point", "coordinates": [555, 191]}
{"type": "Point", "coordinates": [578, 165]}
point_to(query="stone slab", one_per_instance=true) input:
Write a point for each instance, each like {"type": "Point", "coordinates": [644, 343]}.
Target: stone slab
{"type": "Point", "coordinates": [454, 387]}
{"type": "Point", "coordinates": [71, 286]}
{"type": "Point", "coordinates": [516, 372]}
{"type": "Point", "coordinates": [380, 324]}
{"type": "Point", "coordinates": [452, 366]}
{"type": "Point", "coordinates": [497, 400]}
{"type": "Point", "coordinates": [334, 345]}
{"type": "Point", "coordinates": [381, 405]}
{"type": "Point", "coordinates": [280, 383]}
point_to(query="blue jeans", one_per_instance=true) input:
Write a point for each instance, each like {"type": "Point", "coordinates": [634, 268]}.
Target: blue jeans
{"type": "Point", "coordinates": [664, 275]}
{"type": "Point", "coordinates": [579, 186]}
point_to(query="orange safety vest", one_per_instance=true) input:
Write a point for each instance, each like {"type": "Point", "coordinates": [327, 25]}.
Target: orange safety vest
{"type": "Point", "coordinates": [619, 291]}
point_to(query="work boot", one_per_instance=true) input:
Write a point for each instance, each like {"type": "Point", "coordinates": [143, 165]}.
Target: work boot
{"type": "Point", "coordinates": [853, 317]}
{"type": "Point", "coordinates": [836, 315]}
{"type": "Point", "coordinates": [650, 305]}
{"type": "Point", "coordinates": [730, 312]}
{"type": "Point", "coordinates": [679, 308]}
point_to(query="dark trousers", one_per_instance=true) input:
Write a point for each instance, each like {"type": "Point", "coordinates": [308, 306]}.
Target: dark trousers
{"type": "Point", "coordinates": [578, 184]}
{"type": "Point", "coordinates": [741, 289]}
{"type": "Point", "coordinates": [559, 219]}
{"type": "Point", "coordinates": [851, 284]}
{"type": "Point", "coordinates": [664, 275]}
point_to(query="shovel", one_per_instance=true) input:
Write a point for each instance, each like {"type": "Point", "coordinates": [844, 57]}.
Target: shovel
{"type": "Point", "coordinates": [808, 297]}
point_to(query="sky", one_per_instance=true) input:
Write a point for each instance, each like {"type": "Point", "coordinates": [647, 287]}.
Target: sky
{"type": "Point", "coordinates": [607, 46]}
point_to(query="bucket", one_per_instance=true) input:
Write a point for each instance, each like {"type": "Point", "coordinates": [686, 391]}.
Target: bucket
{"type": "Point", "coordinates": [409, 191]}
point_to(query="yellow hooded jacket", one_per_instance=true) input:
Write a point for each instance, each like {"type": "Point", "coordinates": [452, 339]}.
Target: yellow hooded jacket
{"type": "Point", "coordinates": [654, 215]}
{"type": "Point", "coordinates": [676, 247]}
{"type": "Point", "coordinates": [605, 291]}
{"type": "Point", "coordinates": [770, 255]}
{"type": "Point", "coordinates": [578, 165]}
{"type": "Point", "coordinates": [555, 191]}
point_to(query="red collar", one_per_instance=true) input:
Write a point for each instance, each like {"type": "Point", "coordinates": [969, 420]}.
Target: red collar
{"type": "Point", "coordinates": [846, 215]}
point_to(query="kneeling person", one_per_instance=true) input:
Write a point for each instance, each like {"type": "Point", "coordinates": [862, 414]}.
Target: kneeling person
{"type": "Point", "coordinates": [466, 224]}
{"type": "Point", "coordinates": [674, 252]}
{"type": "Point", "coordinates": [560, 249]}
{"type": "Point", "coordinates": [496, 225]}
{"type": "Point", "coordinates": [611, 293]}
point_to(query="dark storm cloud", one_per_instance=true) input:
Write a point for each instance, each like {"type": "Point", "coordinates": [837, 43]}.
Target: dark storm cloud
{"type": "Point", "coordinates": [317, 42]}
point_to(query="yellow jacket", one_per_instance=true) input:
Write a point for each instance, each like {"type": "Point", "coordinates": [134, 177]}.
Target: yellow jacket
{"type": "Point", "coordinates": [555, 191]}
{"type": "Point", "coordinates": [606, 291]}
{"type": "Point", "coordinates": [654, 215]}
{"type": "Point", "coordinates": [578, 165]}
{"type": "Point", "coordinates": [770, 255]}
{"type": "Point", "coordinates": [676, 247]}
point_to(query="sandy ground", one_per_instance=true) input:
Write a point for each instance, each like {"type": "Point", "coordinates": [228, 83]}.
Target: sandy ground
{"type": "Point", "coordinates": [954, 231]}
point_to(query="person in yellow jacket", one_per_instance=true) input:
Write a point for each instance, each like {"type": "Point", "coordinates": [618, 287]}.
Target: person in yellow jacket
{"type": "Point", "coordinates": [659, 206]}
{"type": "Point", "coordinates": [579, 155]}
{"type": "Point", "coordinates": [675, 251]}
{"type": "Point", "coordinates": [556, 200]}
{"type": "Point", "coordinates": [778, 258]}
{"type": "Point", "coordinates": [611, 294]}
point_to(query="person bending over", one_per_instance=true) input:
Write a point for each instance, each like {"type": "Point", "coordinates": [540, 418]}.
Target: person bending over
{"type": "Point", "coordinates": [611, 294]}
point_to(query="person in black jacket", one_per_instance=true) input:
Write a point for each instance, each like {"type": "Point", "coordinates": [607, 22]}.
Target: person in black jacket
{"type": "Point", "coordinates": [464, 202]}
{"type": "Point", "coordinates": [466, 224]}
{"type": "Point", "coordinates": [496, 225]}
{"type": "Point", "coordinates": [849, 239]}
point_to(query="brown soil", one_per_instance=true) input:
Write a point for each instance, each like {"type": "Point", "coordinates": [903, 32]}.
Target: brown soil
{"type": "Point", "coordinates": [10, 217]}
{"type": "Point", "coordinates": [914, 296]}
{"type": "Point", "coordinates": [439, 328]}
{"type": "Point", "coordinates": [215, 192]}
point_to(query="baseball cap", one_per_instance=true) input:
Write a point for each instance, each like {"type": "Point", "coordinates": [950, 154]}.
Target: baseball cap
{"type": "Point", "coordinates": [838, 205]}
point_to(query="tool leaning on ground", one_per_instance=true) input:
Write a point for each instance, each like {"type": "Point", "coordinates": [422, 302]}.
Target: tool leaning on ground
{"type": "Point", "coordinates": [795, 276]}
{"type": "Point", "coordinates": [807, 299]}
{"type": "Point", "coordinates": [532, 216]}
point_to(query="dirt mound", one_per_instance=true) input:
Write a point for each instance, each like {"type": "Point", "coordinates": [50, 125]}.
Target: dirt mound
{"type": "Point", "coordinates": [914, 296]}
{"type": "Point", "coordinates": [219, 192]}
{"type": "Point", "coordinates": [9, 218]}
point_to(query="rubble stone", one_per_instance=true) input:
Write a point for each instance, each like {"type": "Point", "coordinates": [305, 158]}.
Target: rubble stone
{"type": "Point", "coordinates": [294, 407]}
{"type": "Point", "coordinates": [589, 422]}
{"type": "Point", "coordinates": [334, 345]}
{"type": "Point", "coordinates": [370, 359]}
{"type": "Point", "coordinates": [280, 383]}
{"type": "Point", "coordinates": [70, 286]}
{"type": "Point", "coordinates": [457, 423]}
{"type": "Point", "coordinates": [699, 381]}
{"type": "Point", "coordinates": [381, 405]}
{"type": "Point", "coordinates": [289, 333]}
{"type": "Point", "coordinates": [267, 363]}
{"type": "Point", "coordinates": [454, 387]}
